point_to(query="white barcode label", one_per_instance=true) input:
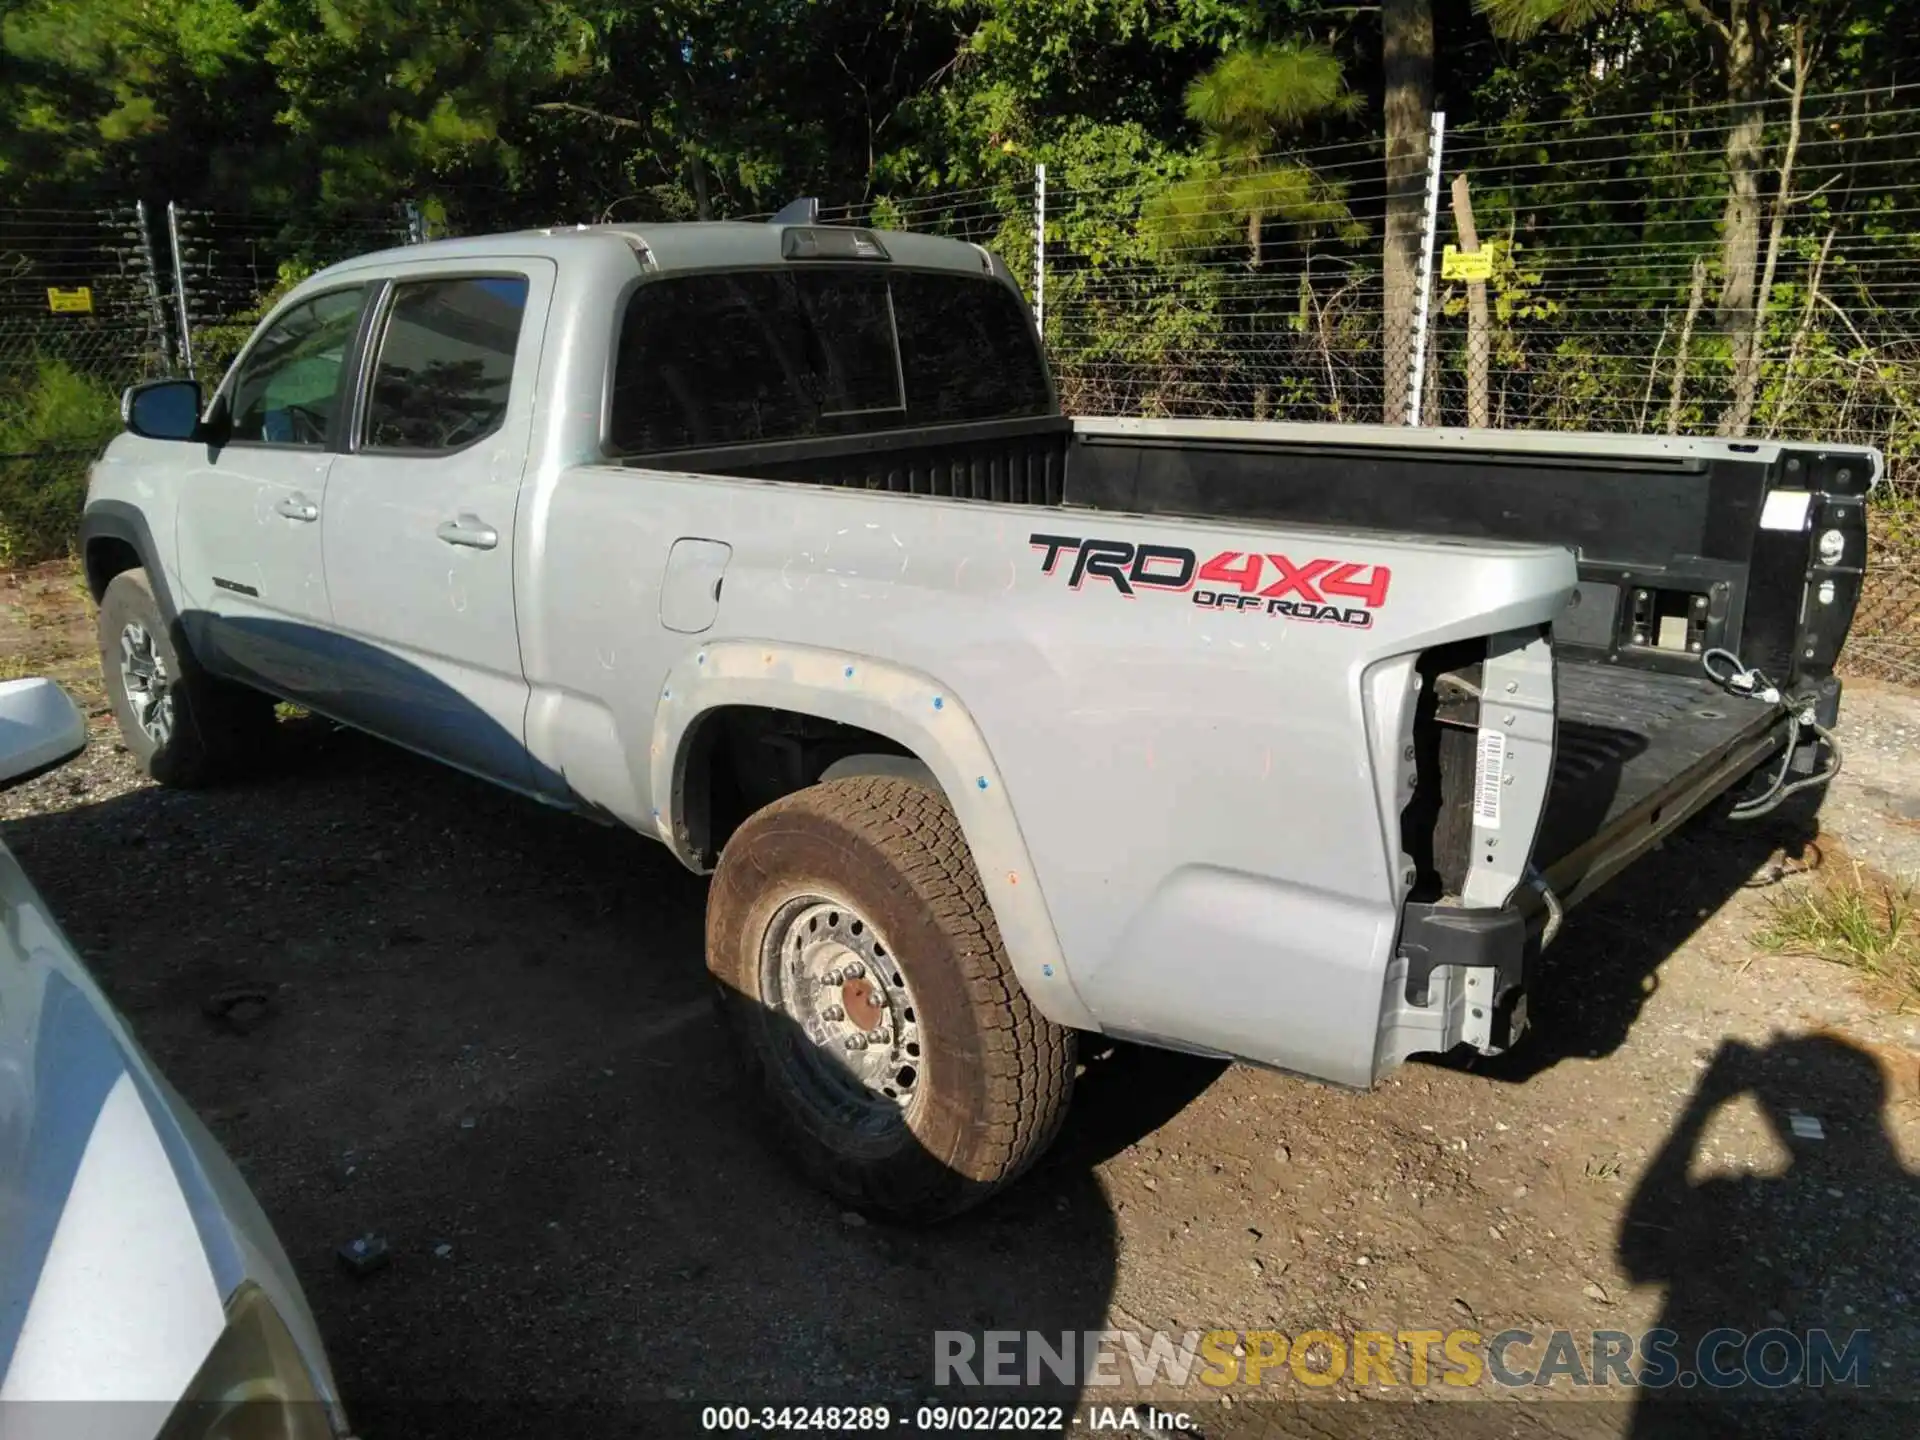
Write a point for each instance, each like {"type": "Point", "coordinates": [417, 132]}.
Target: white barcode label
{"type": "Point", "coordinates": [1486, 790]}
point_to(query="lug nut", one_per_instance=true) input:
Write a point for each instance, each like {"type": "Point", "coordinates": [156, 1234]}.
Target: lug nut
{"type": "Point", "coordinates": [856, 1042]}
{"type": "Point", "coordinates": [832, 977]}
{"type": "Point", "coordinates": [856, 970]}
{"type": "Point", "coordinates": [834, 1012]}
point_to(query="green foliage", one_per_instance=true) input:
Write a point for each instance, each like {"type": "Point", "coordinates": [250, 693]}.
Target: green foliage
{"type": "Point", "coordinates": [1515, 301]}
{"type": "Point", "coordinates": [1523, 19]}
{"type": "Point", "coordinates": [1863, 921]}
{"type": "Point", "coordinates": [215, 346]}
{"type": "Point", "coordinates": [1247, 103]}
{"type": "Point", "coordinates": [389, 97]}
{"type": "Point", "coordinates": [1215, 205]}
{"type": "Point", "coordinates": [53, 421]}
{"type": "Point", "coordinates": [1177, 136]}
{"type": "Point", "coordinates": [162, 92]}
{"type": "Point", "coordinates": [1257, 94]}
{"type": "Point", "coordinates": [56, 408]}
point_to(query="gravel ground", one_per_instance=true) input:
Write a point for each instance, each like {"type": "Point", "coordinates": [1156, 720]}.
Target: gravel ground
{"type": "Point", "coordinates": [482, 1030]}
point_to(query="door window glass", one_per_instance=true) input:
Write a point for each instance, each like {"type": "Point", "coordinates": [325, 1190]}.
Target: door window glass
{"type": "Point", "coordinates": [287, 389]}
{"type": "Point", "coordinates": [445, 366]}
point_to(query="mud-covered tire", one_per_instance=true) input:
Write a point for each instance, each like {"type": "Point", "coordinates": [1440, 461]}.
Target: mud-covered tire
{"type": "Point", "coordinates": [993, 1075]}
{"type": "Point", "coordinates": [212, 730]}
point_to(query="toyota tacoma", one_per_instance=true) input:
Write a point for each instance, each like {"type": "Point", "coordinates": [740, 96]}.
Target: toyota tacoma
{"type": "Point", "coordinates": [1288, 743]}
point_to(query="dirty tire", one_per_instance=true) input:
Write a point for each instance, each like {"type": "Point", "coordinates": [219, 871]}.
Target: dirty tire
{"type": "Point", "coordinates": [994, 1076]}
{"type": "Point", "coordinates": [218, 730]}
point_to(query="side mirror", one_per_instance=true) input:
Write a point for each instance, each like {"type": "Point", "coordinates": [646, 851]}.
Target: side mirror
{"type": "Point", "coordinates": [40, 727]}
{"type": "Point", "coordinates": [162, 409]}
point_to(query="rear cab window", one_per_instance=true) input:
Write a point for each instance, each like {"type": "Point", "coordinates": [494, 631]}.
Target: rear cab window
{"type": "Point", "coordinates": [744, 356]}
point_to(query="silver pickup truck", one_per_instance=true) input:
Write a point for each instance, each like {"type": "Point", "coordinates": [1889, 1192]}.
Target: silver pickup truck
{"type": "Point", "coordinates": [1286, 743]}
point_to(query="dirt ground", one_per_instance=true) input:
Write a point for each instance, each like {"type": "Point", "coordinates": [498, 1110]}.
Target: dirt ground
{"type": "Point", "coordinates": [486, 1037]}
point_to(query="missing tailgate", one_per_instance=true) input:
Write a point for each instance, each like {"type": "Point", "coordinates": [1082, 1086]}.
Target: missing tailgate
{"type": "Point", "coordinates": [1436, 827]}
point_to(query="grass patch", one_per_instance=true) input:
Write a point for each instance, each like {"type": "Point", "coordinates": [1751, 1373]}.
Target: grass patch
{"type": "Point", "coordinates": [1861, 920]}
{"type": "Point", "coordinates": [53, 422]}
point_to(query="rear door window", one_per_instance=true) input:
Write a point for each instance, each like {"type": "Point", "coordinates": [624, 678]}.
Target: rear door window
{"type": "Point", "coordinates": [760, 355]}
{"type": "Point", "coordinates": [445, 364]}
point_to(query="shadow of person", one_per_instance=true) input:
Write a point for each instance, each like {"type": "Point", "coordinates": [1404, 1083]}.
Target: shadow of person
{"type": "Point", "coordinates": [1794, 1288]}
{"type": "Point", "coordinates": [1587, 990]}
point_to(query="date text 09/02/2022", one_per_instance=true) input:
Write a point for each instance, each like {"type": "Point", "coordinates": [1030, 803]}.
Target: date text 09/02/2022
{"type": "Point", "coordinates": [941, 1419]}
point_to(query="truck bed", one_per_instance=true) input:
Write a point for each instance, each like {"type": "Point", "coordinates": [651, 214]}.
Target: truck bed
{"type": "Point", "coordinates": [1675, 558]}
{"type": "Point", "coordinates": [1628, 742]}
{"type": "Point", "coordinates": [1680, 551]}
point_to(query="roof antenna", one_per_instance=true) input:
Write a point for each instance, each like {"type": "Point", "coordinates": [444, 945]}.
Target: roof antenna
{"type": "Point", "coordinates": [803, 211]}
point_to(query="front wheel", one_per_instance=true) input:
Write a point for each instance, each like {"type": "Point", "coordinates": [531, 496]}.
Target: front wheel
{"type": "Point", "coordinates": [864, 980]}
{"type": "Point", "coordinates": [183, 726]}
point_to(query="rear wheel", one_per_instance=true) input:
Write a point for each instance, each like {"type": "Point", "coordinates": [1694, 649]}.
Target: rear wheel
{"type": "Point", "coordinates": [864, 980]}
{"type": "Point", "coordinates": [183, 726]}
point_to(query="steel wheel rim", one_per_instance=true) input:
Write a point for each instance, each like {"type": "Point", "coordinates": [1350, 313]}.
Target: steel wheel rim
{"type": "Point", "coordinates": [851, 1043]}
{"type": "Point", "coordinates": [144, 680]}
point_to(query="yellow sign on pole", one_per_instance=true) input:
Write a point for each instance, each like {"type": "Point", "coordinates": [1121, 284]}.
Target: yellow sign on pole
{"type": "Point", "coordinates": [78, 301]}
{"type": "Point", "coordinates": [1466, 265]}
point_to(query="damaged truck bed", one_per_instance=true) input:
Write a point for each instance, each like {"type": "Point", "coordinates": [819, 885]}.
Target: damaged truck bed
{"type": "Point", "coordinates": [1685, 547]}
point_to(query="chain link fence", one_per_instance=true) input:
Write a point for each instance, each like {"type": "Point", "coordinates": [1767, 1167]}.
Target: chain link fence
{"type": "Point", "coordinates": [1567, 275]}
{"type": "Point", "coordinates": [1255, 291]}
{"type": "Point", "coordinates": [79, 317]}
{"type": "Point", "coordinates": [1885, 639]}
{"type": "Point", "coordinates": [1613, 300]}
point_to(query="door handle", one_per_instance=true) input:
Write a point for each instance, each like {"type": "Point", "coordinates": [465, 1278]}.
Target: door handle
{"type": "Point", "coordinates": [297, 507]}
{"type": "Point", "coordinates": [470, 531]}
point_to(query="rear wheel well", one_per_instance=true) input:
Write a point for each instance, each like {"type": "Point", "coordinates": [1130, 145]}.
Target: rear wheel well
{"type": "Point", "coordinates": [106, 557]}
{"type": "Point", "coordinates": [741, 758]}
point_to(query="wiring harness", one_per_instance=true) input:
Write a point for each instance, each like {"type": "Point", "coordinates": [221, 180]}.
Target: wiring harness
{"type": "Point", "coordinates": [1733, 675]}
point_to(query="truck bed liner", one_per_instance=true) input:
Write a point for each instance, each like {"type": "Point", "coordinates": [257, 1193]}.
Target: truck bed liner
{"type": "Point", "coordinates": [1626, 737]}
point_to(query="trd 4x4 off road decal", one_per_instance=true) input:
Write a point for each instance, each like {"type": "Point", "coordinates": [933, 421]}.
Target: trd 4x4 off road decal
{"type": "Point", "coordinates": [1245, 580]}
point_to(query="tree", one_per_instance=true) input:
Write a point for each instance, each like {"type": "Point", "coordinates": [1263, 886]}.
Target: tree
{"type": "Point", "coordinates": [1248, 103]}
{"type": "Point", "coordinates": [113, 97]}
{"type": "Point", "coordinates": [384, 99]}
{"type": "Point", "coordinates": [1741, 33]}
{"type": "Point", "coordinates": [1406, 54]}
